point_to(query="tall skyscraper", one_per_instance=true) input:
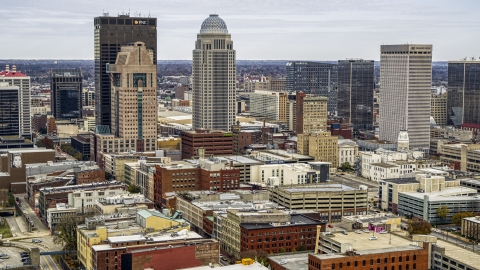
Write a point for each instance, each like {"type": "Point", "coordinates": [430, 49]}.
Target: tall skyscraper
{"type": "Point", "coordinates": [405, 80]}
{"type": "Point", "coordinates": [133, 104]}
{"type": "Point", "coordinates": [463, 100]}
{"type": "Point", "coordinates": [110, 34]}
{"type": "Point", "coordinates": [213, 77]}
{"type": "Point", "coordinates": [355, 92]}
{"type": "Point", "coordinates": [17, 78]}
{"type": "Point", "coordinates": [66, 93]}
{"type": "Point", "coordinates": [319, 79]}
{"type": "Point", "coordinates": [9, 110]}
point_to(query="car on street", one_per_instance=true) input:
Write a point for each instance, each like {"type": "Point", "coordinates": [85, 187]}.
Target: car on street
{"type": "Point", "coordinates": [344, 232]}
{"type": "Point", "coordinates": [358, 232]}
{"type": "Point", "coordinates": [36, 241]}
{"type": "Point", "coordinates": [372, 238]}
{"type": "Point", "coordinates": [3, 255]}
{"type": "Point", "coordinates": [383, 232]}
{"type": "Point", "coordinates": [330, 226]}
{"type": "Point", "coordinates": [366, 231]}
{"type": "Point", "coordinates": [25, 255]}
{"type": "Point", "coordinates": [438, 231]}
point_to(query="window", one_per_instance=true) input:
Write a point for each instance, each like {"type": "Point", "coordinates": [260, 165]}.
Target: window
{"type": "Point", "coordinates": [393, 259]}
{"type": "Point", "coordinates": [333, 266]}
{"type": "Point", "coordinates": [371, 261]}
{"type": "Point", "coordinates": [364, 262]}
{"type": "Point", "coordinates": [414, 257]}
{"type": "Point", "coordinates": [400, 259]}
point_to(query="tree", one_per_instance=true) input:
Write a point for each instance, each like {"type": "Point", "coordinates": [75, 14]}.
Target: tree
{"type": "Point", "coordinates": [133, 189]}
{"type": "Point", "coordinates": [443, 211]}
{"type": "Point", "coordinates": [419, 226]}
{"type": "Point", "coordinates": [11, 199]}
{"type": "Point", "coordinates": [67, 236]}
{"type": "Point", "coordinates": [457, 218]}
{"type": "Point", "coordinates": [45, 142]}
{"type": "Point", "coordinates": [282, 250]}
{"type": "Point", "coordinates": [346, 167]}
{"type": "Point", "coordinates": [302, 247]}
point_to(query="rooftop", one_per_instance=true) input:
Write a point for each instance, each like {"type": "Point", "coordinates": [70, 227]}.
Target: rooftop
{"type": "Point", "coordinates": [295, 261]}
{"type": "Point", "coordinates": [322, 188]}
{"type": "Point", "coordinates": [384, 165]}
{"type": "Point", "coordinates": [448, 194]}
{"type": "Point", "coordinates": [460, 254]}
{"type": "Point", "coordinates": [254, 266]}
{"type": "Point", "coordinates": [361, 243]}
{"type": "Point", "coordinates": [410, 180]}
{"type": "Point", "coordinates": [296, 220]}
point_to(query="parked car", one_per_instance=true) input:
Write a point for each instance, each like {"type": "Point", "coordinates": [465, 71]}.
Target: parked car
{"type": "Point", "coordinates": [358, 231]}
{"type": "Point", "coordinates": [372, 238]}
{"type": "Point", "coordinates": [366, 231]}
{"type": "Point", "coordinates": [26, 259]}
{"type": "Point", "coordinates": [3, 255]}
{"type": "Point", "coordinates": [344, 232]}
{"type": "Point", "coordinates": [36, 240]}
{"type": "Point", "coordinates": [384, 232]}
{"type": "Point", "coordinates": [25, 255]}
{"type": "Point", "coordinates": [330, 226]}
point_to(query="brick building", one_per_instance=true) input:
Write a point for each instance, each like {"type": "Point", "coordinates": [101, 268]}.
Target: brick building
{"type": "Point", "coordinates": [13, 166]}
{"type": "Point", "coordinates": [410, 257]}
{"type": "Point", "coordinates": [206, 175]}
{"type": "Point", "coordinates": [213, 142]}
{"type": "Point", "coordinates": [134, 252]}
{"type": "Point", "coordinates": [91, 176]}
{"type": "Point", "coordinates": [298, 234]}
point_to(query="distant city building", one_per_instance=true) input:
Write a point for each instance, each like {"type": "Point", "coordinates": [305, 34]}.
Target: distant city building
{"type": "Point", "coordinates": [405, 81]}
{"type": "Point", "coordinates": [463, 92]}
{"type": "Point", "coordinates": [321, 145]}
{"type": "Point", "coordinates": [88, 97]}
{"type": "Point", "coordinates": [439, 109]}
{"type": "Point", "coordinates": [347, 152]}
{"type": "Point", "coordinates": [22, 81]}
{"type": "Point", "coordinates": [212, 142]}
{"type": "Point", "coordinates": [311, 113]}
{"type": "Point", "coordinates": [319, 79]}
{"type": "Point", "coordinates": [268, 104]}
{"type": "Point", "coordinates": [9, 110]}
{"type": "Point", "coordinates": [111, 33]}
{"type": "Point", "coordinates": [355, 92]}
{"type": "Point", "coordinates": [134, 106]}
{"type": "Point", "coordinates": [66, 93]}
{"type": "Point", "coordinates": [213, 77]}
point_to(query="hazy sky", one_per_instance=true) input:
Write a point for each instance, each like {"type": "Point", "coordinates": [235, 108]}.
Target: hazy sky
{"type": "Point", "coordinates": [271, 29]}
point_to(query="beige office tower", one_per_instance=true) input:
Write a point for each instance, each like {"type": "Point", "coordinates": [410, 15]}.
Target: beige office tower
{"type": "Point", "coordinates": [439, 109]}
{"type": "Point", "coordinates": [311, 113]}
{"type": "Point", "coordinates": [133, 104]}
{"type": "Point", "coordinates": [213, 77]}
{"type": "Point", "coordinates": [405, 80]}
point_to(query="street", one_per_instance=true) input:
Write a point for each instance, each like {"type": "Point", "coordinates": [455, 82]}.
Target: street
{"type": "Point", "coordinates": [22, 237]}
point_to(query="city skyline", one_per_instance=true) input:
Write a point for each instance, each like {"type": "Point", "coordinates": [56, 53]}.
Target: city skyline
{"type": "Point", "coordinates": [264, 30]}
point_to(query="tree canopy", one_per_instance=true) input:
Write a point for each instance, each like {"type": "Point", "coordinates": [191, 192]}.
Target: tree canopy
{"type": "Point", "coordinates": [133, 188]}
{"type": "Point", "coordinates": [419, 226]}
{"type": "Point", "coordinates": [443, 211]}
{"type": "Point", "coordinates": [457, 218]}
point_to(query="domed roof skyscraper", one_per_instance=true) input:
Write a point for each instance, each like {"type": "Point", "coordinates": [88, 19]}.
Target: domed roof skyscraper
{"type": "Point", "coordinates": [213, 25]}
{"type": "Point", "coordinates": [213, 77]}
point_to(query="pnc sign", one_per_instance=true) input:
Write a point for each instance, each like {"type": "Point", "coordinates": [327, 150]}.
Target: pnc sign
{"type": "Point", "coordinates": [138, 22]}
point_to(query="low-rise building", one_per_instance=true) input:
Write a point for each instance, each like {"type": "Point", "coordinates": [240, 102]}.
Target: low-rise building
{"type": "Point", "coordinates": [332, 201]}
{"type": "Point", "coordinates": [285, 174]}
{"type": "Point", "coordinates": [58, 215]}
{"type": "Point", "coordinates": [231, 226]}
{"type": "Point", "coordinates": [319, 144]}
{"type": "Point", "coordinates": [460, 156]}
{"type": "Point", "coordinates": [123, 203]}
{"type": "Point", "coordinates": [471, 227]}
{"type": "Point", "coordinates": [298, 234]}
{"type": "Point", "coordinates": [109, 233]}
{"type": "Point", "coordinates": [347, 152]}
{"type": "Point", "coordinates": [213, 142]}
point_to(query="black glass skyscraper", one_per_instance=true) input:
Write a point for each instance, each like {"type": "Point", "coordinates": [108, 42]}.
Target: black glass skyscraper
{"type": "Point", "coordinates": [355, 92]}
{"type": "Point", "coordinates": [66, 93]}
{"type": "Point", "coordinates": [110, 34]}
{"type": "Point", "coordinates": [9, 110]}
{"type": "Point", "coordinates": [463, 97]}
{"type": "Point", "coordinates": [319, 79]}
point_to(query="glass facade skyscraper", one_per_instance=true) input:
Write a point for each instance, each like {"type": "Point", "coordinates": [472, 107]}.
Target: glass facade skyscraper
{"type": "Point", "coordinates": [66, 93]}
{"type": "Point", "coordinates": [463, 97]}
{"type": "Point", "coordinates": [319, 79]}
{"type": "Point", "coordinates": [110, 34]}
{"type": "Point", "coordinates": [9, 110]}
{"type": "Point", "coordinates": [355, 92]}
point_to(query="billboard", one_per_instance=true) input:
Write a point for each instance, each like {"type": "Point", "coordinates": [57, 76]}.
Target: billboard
{"type": "Point", "coordinates": [16, 160]}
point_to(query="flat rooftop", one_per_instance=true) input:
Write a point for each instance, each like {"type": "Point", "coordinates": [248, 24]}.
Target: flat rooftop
{"type": "Point", "coordinates": [409, 180]}
{"type": "Point", "coordinates": [361, 243]}
{"type": "Point", "coordinates": [254, 266]}
{"type": "Point", "coordinates": [448, 194]}
{"type": "Point", "coordinates": [384, 165]}
{"type": "Point", "coordinates": [322, 188]}
{"type": "Point", "coordinates": [460, 254]}
{"type": "Point", "coordinates": [296, 220]}
{"type": "Point", "coordinates": [297, 261]}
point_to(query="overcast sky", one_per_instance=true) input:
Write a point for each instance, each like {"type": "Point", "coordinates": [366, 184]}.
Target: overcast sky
{"type": "Point", "coordinates": [271, 29]}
